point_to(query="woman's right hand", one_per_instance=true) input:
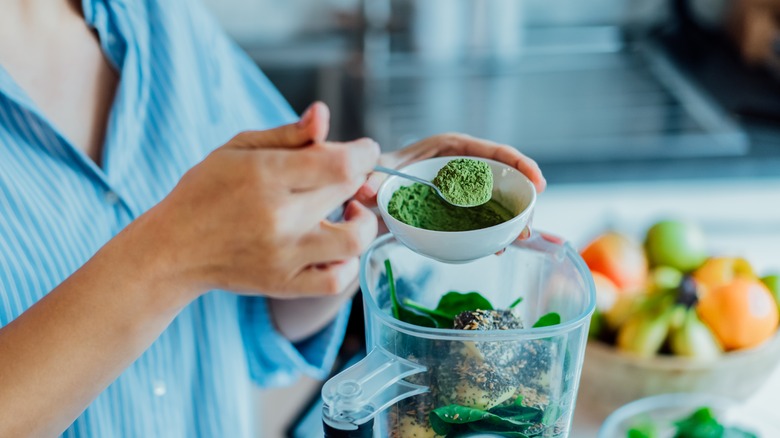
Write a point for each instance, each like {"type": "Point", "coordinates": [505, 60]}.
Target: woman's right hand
{"type": "Point", "coordinates": [251, 217]}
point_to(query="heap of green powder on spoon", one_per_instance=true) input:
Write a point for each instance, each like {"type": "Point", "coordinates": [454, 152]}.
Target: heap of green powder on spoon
{"type": "Point", "coordinates": [462, 181]}
{"type": "Point", "coordinates": [465, 182]}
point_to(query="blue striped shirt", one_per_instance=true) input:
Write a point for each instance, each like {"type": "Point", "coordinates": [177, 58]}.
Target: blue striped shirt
{"type": "Point", "coordinates": [185, 89]}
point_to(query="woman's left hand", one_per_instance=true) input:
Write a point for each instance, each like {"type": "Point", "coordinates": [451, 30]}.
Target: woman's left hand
{"type": "Point", "coordinates": [443, 145]}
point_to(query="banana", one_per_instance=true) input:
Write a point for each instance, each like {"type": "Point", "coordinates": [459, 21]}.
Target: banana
{"type": "Point", "coordinates": [645, 332]}
{"type": "Point", "coordinates": [694, 339]}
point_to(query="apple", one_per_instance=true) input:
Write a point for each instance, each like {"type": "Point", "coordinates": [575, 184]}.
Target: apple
{"type": "Point", "coordinates": [619, 258]}
{"type": "Point", "coordinates": [677, 244]}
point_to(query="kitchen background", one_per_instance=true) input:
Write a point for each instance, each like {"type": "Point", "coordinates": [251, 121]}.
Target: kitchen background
{"type": "Point", "coordinates": [635, 109]}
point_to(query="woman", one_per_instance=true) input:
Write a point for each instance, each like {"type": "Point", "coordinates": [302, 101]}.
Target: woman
{"type": "Point", "coordinates": [122, 225]}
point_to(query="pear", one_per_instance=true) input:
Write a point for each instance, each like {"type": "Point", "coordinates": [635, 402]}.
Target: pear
{"type": "Point", "coordinates": [645, 332]}
{"type": "Point", "coordinates": [694, 339]}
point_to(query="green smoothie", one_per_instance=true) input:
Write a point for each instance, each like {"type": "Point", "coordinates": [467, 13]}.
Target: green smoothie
{"type": "Point", "coordinates": [419, 206]}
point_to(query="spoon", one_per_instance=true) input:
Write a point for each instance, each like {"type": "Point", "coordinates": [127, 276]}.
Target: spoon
{"type": "Point", "coordinates": [389, 171]}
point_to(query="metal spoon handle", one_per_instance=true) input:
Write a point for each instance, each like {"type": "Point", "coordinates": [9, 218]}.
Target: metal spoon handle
{"type": "Point", "coordinates": [403, 175]}
{"type": "Point", "coordinates": [418, 180]}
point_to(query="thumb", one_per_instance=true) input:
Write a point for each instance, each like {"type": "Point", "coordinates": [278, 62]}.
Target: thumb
{"type": "Point", "coordinates": [313, 127]}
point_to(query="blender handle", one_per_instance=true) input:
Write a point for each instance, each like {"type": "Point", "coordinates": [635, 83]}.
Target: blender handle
{"type": "Point", "coordinates": [352, 398]}
{"type": "Point", "coordinates": [545, 242]}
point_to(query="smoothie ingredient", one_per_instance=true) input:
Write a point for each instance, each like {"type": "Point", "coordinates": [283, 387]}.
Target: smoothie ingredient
{"type": "Point", "coordinates": [675, 243]}
{"type": "Point", "coordinates": [702, 423]}
{"type": "Point", "coordinates": [772, 282]}
{"type": "Point", "coordinates": [742, 313]}
{"type": "Point", "coordinates": [465, 182]}
{"type": "Point", "coordinates": [720, 271]}
{"type": "Point", "coordinates": [716, 303]}
{"type": "Point", "coordinates": [497, 387]}
{"type": "Point", "coordinates": [694, 339]}
{"type": "Point", "coordinates": [419, 206]}
{"type": "Point", "coordinates": [619, 258]}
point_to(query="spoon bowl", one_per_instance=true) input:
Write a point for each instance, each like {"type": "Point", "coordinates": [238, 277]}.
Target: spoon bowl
{"type": "Point", "coordinates": [426, 182]}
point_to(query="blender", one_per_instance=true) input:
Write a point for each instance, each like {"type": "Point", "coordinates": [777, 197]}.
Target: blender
{"type": "Point", "coordinates": [428, 382]}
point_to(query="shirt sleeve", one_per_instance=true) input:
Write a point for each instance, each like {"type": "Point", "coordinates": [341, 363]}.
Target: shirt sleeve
{"type": "Point", "coordinates": [274, 360]}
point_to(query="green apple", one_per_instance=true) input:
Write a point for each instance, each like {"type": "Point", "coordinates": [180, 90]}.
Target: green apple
{"type": "Point", "coordinates": [678, 244]}
{"type": "Point", "coordinates": [772, 282]}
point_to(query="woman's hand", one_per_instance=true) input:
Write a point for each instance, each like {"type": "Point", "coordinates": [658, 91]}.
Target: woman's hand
{"type": "Point", "coordinates": [251, 216]}
{"type": "Point", "coordinates": [451, 145]}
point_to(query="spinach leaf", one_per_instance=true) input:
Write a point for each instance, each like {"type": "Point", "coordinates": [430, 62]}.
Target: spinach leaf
{"type": "Point", "coordinates": [517, 413]}
{"type": "Point", "coordinates": [549, 319]}
{"type": "Point", "coordinates": [444, 419]}
{"type": "Point", "coordinates": [453, 303]}
{"type": "Point", "coordinates": [442, 319]}
{"type": "Point", "coordinates": [516, 302]}
{"type": "Point", "coordinates": [645, 429]}
{"type": "Point", "coordinates": [703, 424]}
{"type": "Point", "coordinates": [400, 312]}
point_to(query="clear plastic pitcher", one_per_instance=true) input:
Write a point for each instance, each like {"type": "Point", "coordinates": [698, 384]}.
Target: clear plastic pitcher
{"type": "Point", "coordinates": [503, 382]}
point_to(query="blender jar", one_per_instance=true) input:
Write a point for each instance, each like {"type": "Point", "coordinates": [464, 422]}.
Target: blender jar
{"type": "Point", "coordinates": [513, 382]}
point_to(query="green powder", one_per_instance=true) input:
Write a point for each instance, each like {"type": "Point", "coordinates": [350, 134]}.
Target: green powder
{"type": "Point", "coordinates": [465, 182]}
{"type": "Point", "coordinates": [419, 206]}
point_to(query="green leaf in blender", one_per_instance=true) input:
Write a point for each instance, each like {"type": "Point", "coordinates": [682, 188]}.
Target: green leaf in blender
{"type": "Point", "coordinates": [451, 305]}
{"type": "Point", "coordinates": [548, 319]}
{"type": "Point", "coordinates": [399, 311]}
{"type": "Point", "coordinates": [443, 418]}
{"type": "Point", "coordinates": [516, 302]}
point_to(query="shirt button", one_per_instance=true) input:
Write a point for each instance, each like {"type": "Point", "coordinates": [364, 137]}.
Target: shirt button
{"type": "Point", "coordinates": [159, 388]}
{"type": "Point", "coordinates": [111, 197]}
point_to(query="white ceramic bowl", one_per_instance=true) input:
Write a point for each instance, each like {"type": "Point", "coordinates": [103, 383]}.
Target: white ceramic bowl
{"type": "Point", "coordinates": [663, 410]}
{"type": "Point", "coordinates": [511, 189]}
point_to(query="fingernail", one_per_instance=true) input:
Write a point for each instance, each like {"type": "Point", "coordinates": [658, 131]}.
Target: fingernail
{"type": "Point", "coordinates": [306, 116]}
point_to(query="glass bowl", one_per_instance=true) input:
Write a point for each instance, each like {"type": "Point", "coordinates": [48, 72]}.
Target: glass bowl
{"type": "Point", "coordinates": [663, 410]}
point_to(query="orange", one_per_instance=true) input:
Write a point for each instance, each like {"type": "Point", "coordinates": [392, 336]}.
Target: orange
{"type": "Point", "coordinates": [719, 271]}
{"type": "Point", "coordinates": [742, 313]}
{"type": "Point", "coordinates": [619, 258]}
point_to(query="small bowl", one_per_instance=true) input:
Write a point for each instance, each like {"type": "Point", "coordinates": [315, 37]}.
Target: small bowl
{"type": "Point", "coordinates": [511, 189]}
{"type": "Point", "coordinates": [663, 410]}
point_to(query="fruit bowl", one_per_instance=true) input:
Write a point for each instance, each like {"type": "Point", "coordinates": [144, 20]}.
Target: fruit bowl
{"type": "Point", "coordinates": [674, 315]}
{"type": "Point", "coordinates": [662, 411]}
{"type": "Point", "coordinates": [611, 378]}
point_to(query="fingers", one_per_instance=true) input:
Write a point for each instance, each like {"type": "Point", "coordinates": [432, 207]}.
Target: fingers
{"type": "Point", "coordinates": [342, 240]}
{"type": "Point", "coordinates": [319, 280]}
{"type": "Point", "coordinates": [311, 128]}
{"type": "Point", "coordinates": [470, 146]}
{"type": "Point", "coordinates": [324, 164]}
